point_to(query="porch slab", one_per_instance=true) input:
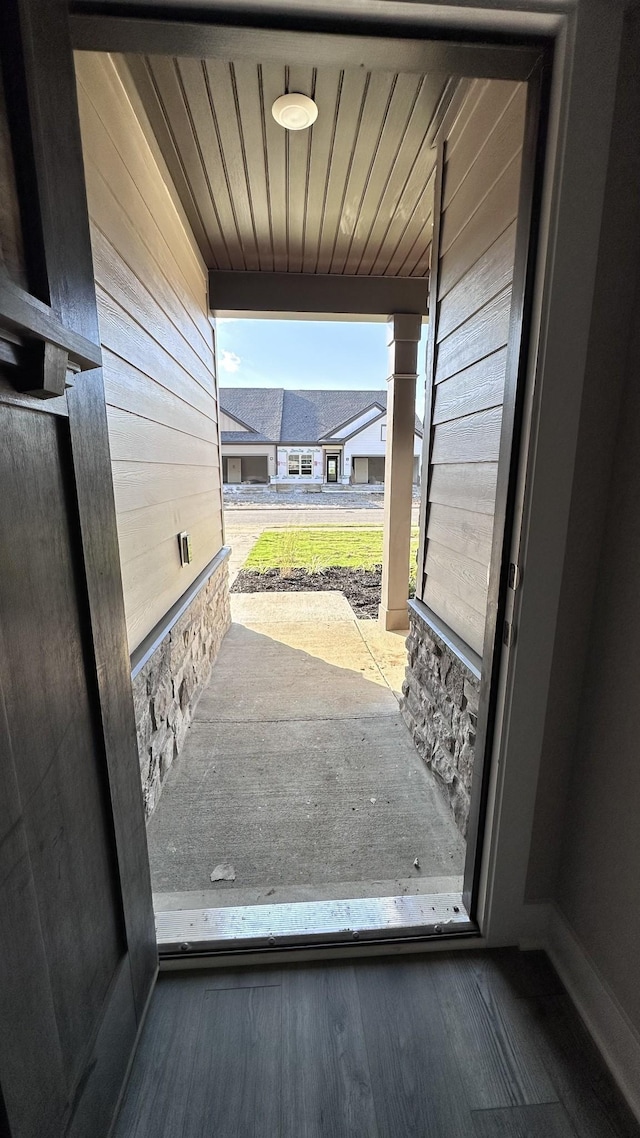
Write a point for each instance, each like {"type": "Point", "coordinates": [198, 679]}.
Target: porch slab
{"type": "Point", "coordinates": [259, 679]}
{"type": "Point", "coordinates": [388, 649]}
{"type": "Point", "coordinates": [299, 771]}
{"type": "Point", "coordinates": [289, 608]}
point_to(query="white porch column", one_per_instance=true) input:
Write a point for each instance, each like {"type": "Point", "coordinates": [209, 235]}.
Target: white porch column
{"type": "Point", "coordinates": [403, 340]}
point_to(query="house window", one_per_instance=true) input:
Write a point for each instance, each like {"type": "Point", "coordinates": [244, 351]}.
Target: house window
{"type": "Point", "coordinates": [383, 433]}
{"type": "Point", "coordinates": [300, 464]}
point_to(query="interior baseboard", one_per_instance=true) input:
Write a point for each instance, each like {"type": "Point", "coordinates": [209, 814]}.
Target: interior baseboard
{"type": "Point", "coordinates": [613, 1033]}
{"type": "Point", "coordinates": [534, 926]}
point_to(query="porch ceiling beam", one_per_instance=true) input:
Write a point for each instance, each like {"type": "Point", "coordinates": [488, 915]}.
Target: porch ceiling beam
{"type": "Point", "coordinates": [318, 294]}
{"type": "Point", "coordinates": [212, 36]}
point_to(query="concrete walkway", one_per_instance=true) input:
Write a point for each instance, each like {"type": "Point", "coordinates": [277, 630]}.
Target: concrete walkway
{"type": "Point", "coordinates": [299, 772]}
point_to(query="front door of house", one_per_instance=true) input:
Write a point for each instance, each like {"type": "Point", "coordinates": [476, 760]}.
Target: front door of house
{"type": "Point", "coordinates": [234, 470]}
{"type": "Point", "coordinates": [332, 468]}
{"type": "Point", "coordinates": [77, 947]}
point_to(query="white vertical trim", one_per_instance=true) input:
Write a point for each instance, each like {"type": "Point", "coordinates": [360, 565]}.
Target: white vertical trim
{"type": "Point", "coordinates": [583, 95]}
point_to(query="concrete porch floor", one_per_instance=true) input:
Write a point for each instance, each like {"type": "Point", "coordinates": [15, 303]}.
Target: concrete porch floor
{"type": "Point", "coordinates": [299, 771]}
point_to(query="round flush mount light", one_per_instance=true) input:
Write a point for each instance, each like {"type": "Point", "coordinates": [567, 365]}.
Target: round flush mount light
{"type": "Point", "coordinates": [294, 112]}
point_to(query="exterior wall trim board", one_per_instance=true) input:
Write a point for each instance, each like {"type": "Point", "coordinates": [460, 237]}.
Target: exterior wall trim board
{"type": "Point", "coordinates": [147, 647]}
{"type": "Point", "coordinates": [411, 51]}
{"type": "Point", "coordinates": [465, 654]}
{"type": "Point", "coordinates": [236, 292]}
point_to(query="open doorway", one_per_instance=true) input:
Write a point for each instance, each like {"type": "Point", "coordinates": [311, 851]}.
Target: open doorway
{"type": "Point", "coordinates": [300, 781]}
{"type": "Point", "coordinates": [438, 208]}
{"type": "Point", "coordinates": [74, 848]}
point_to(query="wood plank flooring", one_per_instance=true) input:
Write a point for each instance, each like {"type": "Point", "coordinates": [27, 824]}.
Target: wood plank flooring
{"type": "Point", "coordinates": [464, 1045]}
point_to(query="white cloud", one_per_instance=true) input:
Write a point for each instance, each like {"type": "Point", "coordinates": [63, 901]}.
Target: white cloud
{"type": "Point", "coordinates": [229, 361]}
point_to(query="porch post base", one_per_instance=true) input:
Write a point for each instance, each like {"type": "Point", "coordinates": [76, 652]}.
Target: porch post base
{"type": "Point", "coordinates": [394, 620]}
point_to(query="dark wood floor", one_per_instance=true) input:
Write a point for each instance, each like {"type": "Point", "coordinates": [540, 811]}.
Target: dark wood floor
{"type": "Point", "coordinates": [465, 1045]}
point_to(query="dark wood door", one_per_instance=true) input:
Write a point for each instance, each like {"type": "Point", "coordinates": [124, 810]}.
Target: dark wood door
{"type": "Point", "coordinates": [332, 468]}
{"type": "Point", "coordinates": [77, 946]}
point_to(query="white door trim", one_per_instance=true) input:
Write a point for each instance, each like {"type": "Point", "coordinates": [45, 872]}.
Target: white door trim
{"type": "Point", "coordinates": [588, 44]}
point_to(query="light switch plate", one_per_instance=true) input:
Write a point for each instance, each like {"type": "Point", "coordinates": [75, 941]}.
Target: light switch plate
{"type": "Point", "coordinates": [184, 546]}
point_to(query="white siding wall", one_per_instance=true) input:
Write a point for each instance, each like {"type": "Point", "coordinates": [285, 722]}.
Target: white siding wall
{"type": "Point", "coordinates": [229, 424]}
{"type": "Point", "coordinates": [369, 442]}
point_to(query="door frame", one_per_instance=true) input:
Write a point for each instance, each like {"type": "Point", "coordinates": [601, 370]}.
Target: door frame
{"type": "Point", "coordinates": [334, 458]}
{"type": "Point", "coordinates": [585, 43]}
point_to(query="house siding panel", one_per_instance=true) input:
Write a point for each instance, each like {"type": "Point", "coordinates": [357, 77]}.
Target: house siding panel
{"type": "Point", "coordinates": [471, 305]}
{"type": "Point", "coordinates": [157, 340]}
{"type": "Point", "coordinates": [229, 424]}
{"type": "Point", "coordinates": [370, 443]}
{"type": "Point", "coordinates": [481, 175]}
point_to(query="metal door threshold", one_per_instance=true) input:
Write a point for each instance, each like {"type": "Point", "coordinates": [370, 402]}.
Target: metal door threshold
{"type": "Point", "coordinates": [301, 923]}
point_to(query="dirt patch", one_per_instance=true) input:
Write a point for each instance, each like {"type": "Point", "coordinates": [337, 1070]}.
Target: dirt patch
{"type": "Point", "coordinates": [361, 587]}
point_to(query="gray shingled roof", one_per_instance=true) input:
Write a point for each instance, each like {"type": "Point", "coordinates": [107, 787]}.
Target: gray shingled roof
{"type": "Point", "coordinates": [259, 407]}
{"type": "Point", "coordinates": [312, 415]}
{"type": "Point", "coordinates": [280, 416]}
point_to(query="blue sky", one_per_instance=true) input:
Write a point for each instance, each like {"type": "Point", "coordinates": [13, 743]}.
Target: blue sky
{"type": "Point", "coordinates": [302, 354]}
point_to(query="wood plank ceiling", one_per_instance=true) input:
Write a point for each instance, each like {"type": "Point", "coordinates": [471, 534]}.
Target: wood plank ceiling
{"type": "Point", "coordinates": [351, 195]}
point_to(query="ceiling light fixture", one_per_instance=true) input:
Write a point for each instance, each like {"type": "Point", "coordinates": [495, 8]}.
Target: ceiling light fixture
{"type": "Point", "coordinates": [294, 111]}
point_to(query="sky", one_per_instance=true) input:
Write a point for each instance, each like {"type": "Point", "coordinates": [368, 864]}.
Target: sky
{"type": "Point", "coordinates": [302, 354]}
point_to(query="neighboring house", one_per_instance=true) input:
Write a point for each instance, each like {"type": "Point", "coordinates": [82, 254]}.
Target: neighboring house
{"type": "Point", "coordinates": [310, 437]}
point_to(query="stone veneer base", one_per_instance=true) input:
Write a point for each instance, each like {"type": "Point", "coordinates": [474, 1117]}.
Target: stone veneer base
{"type": "Point", "coordinates": [439, 704]}
{"type": "Point", "coordinates": [168, 686]}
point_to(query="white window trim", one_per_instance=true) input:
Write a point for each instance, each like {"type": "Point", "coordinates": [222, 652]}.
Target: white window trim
{"type": "Point", "coordinates": [299, 456]}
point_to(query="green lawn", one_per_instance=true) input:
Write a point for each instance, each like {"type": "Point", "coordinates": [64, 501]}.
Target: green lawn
{"type": "Point", "coordinates": [318, 548]}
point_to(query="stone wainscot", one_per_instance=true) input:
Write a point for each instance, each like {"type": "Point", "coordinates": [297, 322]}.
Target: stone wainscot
{"type": "Point", "coordinates": [440, 706]}
{"type": "Point", "coordinates": [167, 686]}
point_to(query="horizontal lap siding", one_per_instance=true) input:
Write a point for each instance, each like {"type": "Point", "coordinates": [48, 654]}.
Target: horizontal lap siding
{"type": "Point", "coordinates": [469, 486]}
{"type": "Point", "coordinates": [475, 388]}
{"type": "Point", "coordinates": [157, 354]}
{"type": "Point", "coordinates": [463, 531]}
{"type": "Point", "coordinates": [477, 227]}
